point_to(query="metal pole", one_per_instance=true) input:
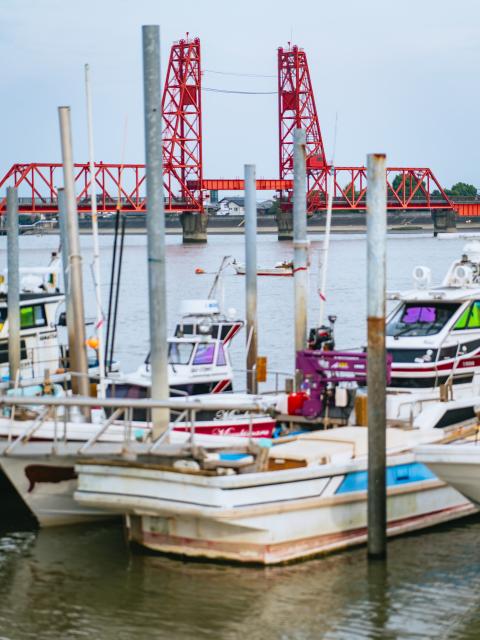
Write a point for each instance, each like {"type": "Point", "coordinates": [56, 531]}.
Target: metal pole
{"type": "Point", "coordinates": [376, 370]}
{"type": "Point", "coordinates": [155, 225]}
{"type": "Point", "coordinates": [76, 329]}
{"type": "Point", "coordinates": [300, 242]}
{"type": "Point", "coordinates": [13, 286]}
{"type": "Point", "coordinates": [251, 275]}
{"type": "Point", "coordinates": [62, 221]}
{"type": "Point", "coordinates": [96, 244]}
{"type": "Point", "coordinates": [323, 263]}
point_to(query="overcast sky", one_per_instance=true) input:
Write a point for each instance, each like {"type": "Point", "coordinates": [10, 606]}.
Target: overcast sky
{"type": "Point", "coordinates": [402, 76]}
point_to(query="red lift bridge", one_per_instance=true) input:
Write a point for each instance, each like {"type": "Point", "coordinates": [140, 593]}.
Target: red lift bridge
{"type": "Point", "coordinates": [408, 188]}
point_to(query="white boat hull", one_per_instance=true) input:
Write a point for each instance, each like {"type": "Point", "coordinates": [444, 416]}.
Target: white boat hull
{"type": "Point", "coordinates": [279, 517]}
{"type": "Point", "coordinates": [46, 486]}
{"type": "Point", "coordinates": [456, 464]}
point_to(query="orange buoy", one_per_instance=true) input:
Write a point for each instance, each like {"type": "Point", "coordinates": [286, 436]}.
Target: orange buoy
{"type": "Point", "coordinates": [199, 270]}
{"type": "Point", "coordinates": [92, 343]}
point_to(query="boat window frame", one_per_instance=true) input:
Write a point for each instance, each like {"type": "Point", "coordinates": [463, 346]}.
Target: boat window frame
{"type": "Point", "coordinates": [35, 325]}
{"type": "Point", "coordinates": [400, 311]}
{"type": "Point", "coordinates": [221, 351]}
{"type": "Point", "coordinates": [205, 346]}
{"type": "Point", "coordinates": [468, 311]}
{"type": "Point", "coordinates": [179, 345]}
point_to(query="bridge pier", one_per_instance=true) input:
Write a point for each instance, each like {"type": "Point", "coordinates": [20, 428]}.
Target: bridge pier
{"type": "Point", "coordinates": [443, 221]}
{"type": "Point", "coordinates": [194, 227]}
{"type": "Point", "coordinates": [285, 225]}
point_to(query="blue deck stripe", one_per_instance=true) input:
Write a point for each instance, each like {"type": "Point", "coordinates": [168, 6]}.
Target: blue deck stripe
{"type": "Point", "coordinates": [398, 475]}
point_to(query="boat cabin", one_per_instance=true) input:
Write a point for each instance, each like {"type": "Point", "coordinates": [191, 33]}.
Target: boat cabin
{"type": "Point", "coordinates": [40, 301]}
{"type": "Point", "coordinates": [433, 333]}
{"type": "Point", "coordinates": [196, 365]}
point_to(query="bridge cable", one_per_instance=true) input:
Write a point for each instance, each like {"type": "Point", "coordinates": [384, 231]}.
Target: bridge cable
{"type": "Point", "coordinates": [234, 73]}
{"type": "Point", "coordinates": [254, 93]}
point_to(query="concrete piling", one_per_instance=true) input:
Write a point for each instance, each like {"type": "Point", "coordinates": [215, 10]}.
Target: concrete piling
{"type": "Point", "coordinates": [300, 242]}
{"type": "Point", "coordinates": [155, 226]}
{"type": "Point", "coordinates": [13, 286]}
{"type": "Point", "coordinates": [376, 370]}
{"type": "Point", "coordinates": [251, 275]}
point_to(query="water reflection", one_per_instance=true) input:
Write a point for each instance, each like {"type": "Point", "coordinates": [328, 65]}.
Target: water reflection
{"type": "Point", "coordinates": [84, 582]}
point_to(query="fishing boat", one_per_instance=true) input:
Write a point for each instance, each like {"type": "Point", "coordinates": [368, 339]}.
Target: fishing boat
{"type": "Point", "coordinates": [433, 334]}
{"type": "Point", "coordinates": [303, 495]}
{"type": "Point", "coordinates": [40, 315]}
{"type": "Point", "coordinates": [283, 268]}
{"type": "Point", "coordinates": [300, 498]}
{"type": "Point", "coordinates": [308, 495]}
{"type": "Point", "coordinates": [198, 356]}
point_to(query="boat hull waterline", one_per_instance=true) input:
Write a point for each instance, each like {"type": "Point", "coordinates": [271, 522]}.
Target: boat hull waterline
{"type": "Point", "coordinates": [289, 516]}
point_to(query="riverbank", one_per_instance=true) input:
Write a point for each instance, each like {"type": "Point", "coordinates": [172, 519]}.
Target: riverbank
{"type": "Point", "coordinates": [230, 225]}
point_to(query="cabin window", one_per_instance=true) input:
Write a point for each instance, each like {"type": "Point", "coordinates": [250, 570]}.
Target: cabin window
{"type": "Point", "coordinates": [32, 316]}
{"type": "Point", "coordinates": [470, 318]}
{"type": "Point", "coordinates": [180, 352]}
{"type": "Point", "coordinates": [4, 351]}
{"type": "Point", "coordinates": [221, 360]}
{"type": "Point", "coordinates": [420, 318]}
{"type": "Point", "coordinates": [204, 354]}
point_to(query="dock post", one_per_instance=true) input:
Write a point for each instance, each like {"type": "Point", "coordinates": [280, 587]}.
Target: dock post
{"type": "Point", "coordinates": [13, 286]}
{"type": "Point", "coordinates": [155, 225]}
{"type": "Point", "coordinates": [76, 329]}
{"type": "Point", "coordinates": [300, 242]}
{"type": "Point", "coordinates": [376, 362]}
{"type": "Point", "coordinates": [251, 275]}
{"type": "Point", "coordinates": [96, 244]}
{"type": "Point", "coordinates": [62, 223]}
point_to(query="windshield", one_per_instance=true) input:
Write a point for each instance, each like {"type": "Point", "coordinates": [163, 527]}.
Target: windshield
{"type": "Point", "coordinates": [420, 318]}
{"type": "Point", "coordinates": [205, 353]}
{"type": "Point", "coordinates": [180, 352]}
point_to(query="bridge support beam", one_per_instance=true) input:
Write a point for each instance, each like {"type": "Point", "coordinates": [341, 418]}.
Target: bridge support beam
{"type": "Point", "coordinates": [285, 225]}
{"type": "Point", "coordinates": [194, 227]}
{"type": "Point", "coordinates": [443, 221]}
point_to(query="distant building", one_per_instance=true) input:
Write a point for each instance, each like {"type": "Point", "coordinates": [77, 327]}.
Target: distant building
{"type": "Point", "coordinates": [234, 206]}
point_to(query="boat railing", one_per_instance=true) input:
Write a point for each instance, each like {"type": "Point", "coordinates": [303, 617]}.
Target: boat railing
{"type": "Point", "coordinates": [56, 410]}
{"type": "Point", "coordinates": [446, 390]}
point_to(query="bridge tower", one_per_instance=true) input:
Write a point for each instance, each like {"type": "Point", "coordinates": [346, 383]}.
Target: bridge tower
{"type": "Point", "coordinates": [297, 109]}
{"type": "Point", "coordinates": [182, 137]}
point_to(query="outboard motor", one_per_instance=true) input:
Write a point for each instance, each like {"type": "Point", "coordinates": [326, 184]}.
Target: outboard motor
{"type": "Point", "coordinates": [322, 338]}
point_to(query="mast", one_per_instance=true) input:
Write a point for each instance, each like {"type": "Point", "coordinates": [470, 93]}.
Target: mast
{"type": "Point", "coordinates": [96, 245]}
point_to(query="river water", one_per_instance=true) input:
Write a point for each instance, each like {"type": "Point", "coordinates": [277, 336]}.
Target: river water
{"type": "Point", "coordinates": [84, 582]}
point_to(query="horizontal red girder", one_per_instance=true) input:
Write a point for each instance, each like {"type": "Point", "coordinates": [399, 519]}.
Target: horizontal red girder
{"type": "Point", "coordinates": [237, 184]}
{"type": "Point", "coordinates": [467, 209]}
{"type": "Point", "coordinates": [124, 185]}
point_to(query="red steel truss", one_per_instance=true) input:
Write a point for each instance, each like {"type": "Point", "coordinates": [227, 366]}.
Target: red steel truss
{"type": "Point", "coordinates": [37, 186]}
{"type": "Point", "coordinates": [297, 110]}
{"type": "Point", "coordinates": [182, 131]}
{"type": "Point", "coordinates": [123, 185]}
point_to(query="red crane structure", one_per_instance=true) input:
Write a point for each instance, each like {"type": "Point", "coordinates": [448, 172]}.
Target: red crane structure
{"type": "Point", "coordinates": [122, 185]}
{"type": "Point", "coordinates": [182, 127]}
{"type": "Point", "coordinates": [297, 110]}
